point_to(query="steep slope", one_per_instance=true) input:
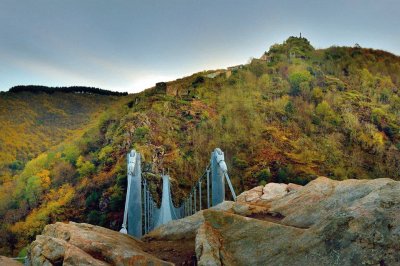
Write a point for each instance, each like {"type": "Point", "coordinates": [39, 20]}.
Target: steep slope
{"type": "Point", "coordinates": [32, 121]}
{"type": "Point", "coordinates": [290, 116]}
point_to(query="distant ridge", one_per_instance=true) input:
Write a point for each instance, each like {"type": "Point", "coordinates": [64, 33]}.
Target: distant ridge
{"type": "Point", "coordinates": [72, 89]}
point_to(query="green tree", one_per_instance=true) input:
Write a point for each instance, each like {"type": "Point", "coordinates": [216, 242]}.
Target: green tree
{"type": "Point", "coordinates": [264, 175]}
{"type": "Point", "coordinates": [85, 168]}
{"type": "Point", "coordinates": [289, 108]}
{"type": "Point", "coordinates": [325, 112]}
{"type": "Point", "coordinates": [296, 79]}
{"type": "Point", "coordinates": [141, 134]}
{"type": "Point", "coordinates": [33, 190]}
{"type": "Point", "coordinates": [264, 82]}
{"type": "Point", "coordinates": [317, 95]}
{"type": "Point", "coordinates": [71, 153]}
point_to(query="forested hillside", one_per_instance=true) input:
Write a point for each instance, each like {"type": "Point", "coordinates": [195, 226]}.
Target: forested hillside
{"type": "Point", "coordinates": [33, 121]}
{"type": "Point", "coordinates": [292, 115]}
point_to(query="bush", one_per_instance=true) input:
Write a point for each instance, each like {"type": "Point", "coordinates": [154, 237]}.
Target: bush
{"type": "Point", "coordinates": [141, 133]}
{"type": "Point", "coordinates": [92, 200]}
{"type": "Point", "coordinates": [264, 175]}
{"type": "Point", "coordinates": [105, 156]}
{"type": "Point", "coordinates": [117, 200]}
{"type": "Point", "coordinates": [97, 218]}
{"type": "Point", "coordinates": [258, 68]}
{"type": "Point", "coordinates": [199, 80]}
{"type": "Point", "coordinates": [262, 183]}
{"type": "Point", "coordinates": [296, 79]}
{"type": "Point", "coordinates": [16, 165]}
{"type": "Point", "coordinates": [289, 108]}
{"type": "Point", "coordinates": [317, 94]}
{"type": "Point", "coordinates": [85, 168]}
{"type": "Point", "coordinates": [378, 117]}
{"type": "Point", "coordinates": [325, 112]}
{"type": "Point", "coordinates": [70, 153]}
{"type": "Point", "coordinates": [62, 172]}
{"type": "Point", "coordinates": [239, 163]}
{"type": "Point", "coordinates": [283, 175]}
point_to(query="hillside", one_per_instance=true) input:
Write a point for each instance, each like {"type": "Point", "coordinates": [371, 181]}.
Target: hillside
{"type": "Point", "coordinates": [33, 121]}
{"type": "Point", "coordinates": [289, 116]}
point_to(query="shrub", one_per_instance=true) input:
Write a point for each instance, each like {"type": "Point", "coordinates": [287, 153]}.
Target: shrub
{"type": "Point", "coordinates": [62, 172]}
{"type": "Point", "coordinates": [105, 154]}
{"type": "Point", "coordinates": [199, 80]}
{"type": "Point", "coordinates": [296, 79]}
{"type": "Point", "coordinates": [239, 163]}
{"type": "Point", "coordinates": [325, 112]}
{"type": "Point", "coordinates": [264, 175]}
{"type": "Point", "coordinates": [70, 153]}
{"type": "Point", "coordinates": [378, 117]}
{"type": "Point", "coordinates": [317, 94]}
{"type": "Point", "coordinates": [92, 200]}
{"type": "Point", "coordinates": [16, 165]}
{"type": "Point", "coordinates": [289, 108]}
{"type": "Point", "coordinates": [141, 133]}
{"type": "Point", "coordinates": [97, 218]}
{"type": "Point", "coordinates": [117, 200]}
{"type": "Point", "coordinates": [85, 168]}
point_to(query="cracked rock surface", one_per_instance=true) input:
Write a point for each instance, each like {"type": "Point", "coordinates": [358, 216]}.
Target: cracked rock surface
{"type": "Point", "coordinates": [84, 244]}
{"type": "Point", "coordinates": [326, 222]}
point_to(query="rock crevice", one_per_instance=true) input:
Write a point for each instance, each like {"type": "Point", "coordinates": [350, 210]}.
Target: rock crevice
{"type": "Point", "coordinates": [326, 222]}
{"type": "Point", "coordinates": [84, 244]}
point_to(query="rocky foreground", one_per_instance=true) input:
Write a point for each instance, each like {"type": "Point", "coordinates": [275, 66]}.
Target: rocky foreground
{"type": "Point", "coordinates": [327, 222]}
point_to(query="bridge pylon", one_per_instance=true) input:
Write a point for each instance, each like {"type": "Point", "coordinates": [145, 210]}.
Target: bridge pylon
{"type": "Point", "coordinates": [140, 206]}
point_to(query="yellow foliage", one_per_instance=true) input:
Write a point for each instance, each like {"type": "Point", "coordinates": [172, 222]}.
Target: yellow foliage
{"type": "Point", "coordinates": [378, 138]}
{"type": "Point", "coordinates": [39, 217]}
{"type": "Point", "coordinates": [44, 178]}
{"type": "Point", "coordinates": [32, 128]}
{"type": "Point", "coordinates": [5, 190]}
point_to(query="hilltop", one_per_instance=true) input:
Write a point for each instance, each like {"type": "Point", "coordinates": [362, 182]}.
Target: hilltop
{"type": "Point", "coordinates": [289, 116]}
{"type": "Point", "coordinates": [72, 89]}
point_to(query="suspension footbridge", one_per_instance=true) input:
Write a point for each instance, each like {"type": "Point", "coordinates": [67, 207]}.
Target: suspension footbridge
{"type": "Point", "coordinates": [142, 214]}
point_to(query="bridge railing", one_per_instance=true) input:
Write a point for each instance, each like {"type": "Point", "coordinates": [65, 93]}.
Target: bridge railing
{"type": "Point", "coordinates": [219, 174]}
{"type": "Point", "coordinates": [142, 214]}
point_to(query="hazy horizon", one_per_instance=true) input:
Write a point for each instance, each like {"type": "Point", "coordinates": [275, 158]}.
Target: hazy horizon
{"type": "Point", "coordinates": [130, 45]}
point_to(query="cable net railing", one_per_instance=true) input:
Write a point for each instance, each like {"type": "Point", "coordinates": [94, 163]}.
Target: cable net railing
{"type": "Point", "coordinates": [142, 213]}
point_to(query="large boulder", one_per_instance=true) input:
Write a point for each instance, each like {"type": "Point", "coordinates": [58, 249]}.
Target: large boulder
{"type": "Point", "coordinates": [293, 187]}
{"type": "Point", "coordinates": [327, 222]}
{"type": "Point", "coordinates": [185, 228]}
{"type": "Point", "coordinates": [274, 190]}
{"type": "Point", "coordinates": [208, 246]}
{"type": "Point", "coordinates": [251, 195]}
{"type": "Point", "coordinates": [231, 239]}
{"type": "Point", "coordinates": [323, 199]}
{"type": "Point", "coordinates": [84, 244]}
{"type": "Point", "coordinates": [268, 192]}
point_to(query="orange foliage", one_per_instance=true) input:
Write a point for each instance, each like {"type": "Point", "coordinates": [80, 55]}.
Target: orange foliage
{"type": "Point", "coordinates": [39, 217]}
{"type": "Point", "coordinates": [44, 176]}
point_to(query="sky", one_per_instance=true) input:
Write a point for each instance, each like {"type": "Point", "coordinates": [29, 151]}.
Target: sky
{"type": "Point", "coordinates": [130, 45]}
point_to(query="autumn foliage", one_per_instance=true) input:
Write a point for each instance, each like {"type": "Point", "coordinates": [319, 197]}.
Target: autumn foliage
{"type": "Point", "coordinates": [298, 113]}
